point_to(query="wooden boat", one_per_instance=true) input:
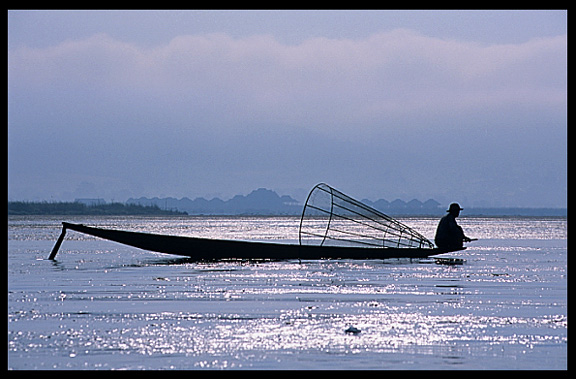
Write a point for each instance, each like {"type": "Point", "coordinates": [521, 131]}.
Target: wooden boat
{"type": "Point", "coordinates": [212, 249]}
{"type": "Point", "coordinates": [333, 226]}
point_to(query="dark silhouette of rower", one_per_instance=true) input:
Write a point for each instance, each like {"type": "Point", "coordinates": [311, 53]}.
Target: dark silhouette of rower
{"type": "Point", "coordinates": [449, 235]}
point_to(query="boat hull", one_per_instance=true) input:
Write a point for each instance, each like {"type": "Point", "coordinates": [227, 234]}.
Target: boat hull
{"type": "Point", "coordinates": [213, 249]}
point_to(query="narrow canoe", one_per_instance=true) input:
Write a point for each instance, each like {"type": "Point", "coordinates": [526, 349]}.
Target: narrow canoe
{"type": "Point", "coordinates": [214, 249]}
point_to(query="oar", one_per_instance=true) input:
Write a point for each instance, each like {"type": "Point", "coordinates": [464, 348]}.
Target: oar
{"type": "Point", "coordinates": [58, 243]}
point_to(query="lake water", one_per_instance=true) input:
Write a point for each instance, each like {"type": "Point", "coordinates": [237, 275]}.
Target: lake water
{"type": "Point", "coordinates": [102, 305]}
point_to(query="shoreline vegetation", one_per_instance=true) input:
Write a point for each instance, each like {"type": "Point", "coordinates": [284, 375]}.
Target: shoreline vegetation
{"type": "Point", "coordinates": [25, 208]}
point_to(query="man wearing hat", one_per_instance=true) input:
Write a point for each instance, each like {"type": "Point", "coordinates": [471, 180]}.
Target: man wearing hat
{"type": "Point", "coordinates": [449, 235]}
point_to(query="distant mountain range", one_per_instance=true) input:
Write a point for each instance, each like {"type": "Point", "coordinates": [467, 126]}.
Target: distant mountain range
{"type": "Point", "coordinates": [267, 202]}
{"type": "Point", "coordinates": [259, 202]}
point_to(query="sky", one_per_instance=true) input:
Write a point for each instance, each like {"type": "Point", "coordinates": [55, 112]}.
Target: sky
{"type": "Point", "coordinates": [467, 106]}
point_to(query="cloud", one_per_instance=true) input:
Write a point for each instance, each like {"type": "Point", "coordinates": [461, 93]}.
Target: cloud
{"type": "Point", "coordinates": [328, 80]}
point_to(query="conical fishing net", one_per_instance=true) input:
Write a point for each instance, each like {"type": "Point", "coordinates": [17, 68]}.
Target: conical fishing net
{"type": "Point", "coordinates": [331, 218]}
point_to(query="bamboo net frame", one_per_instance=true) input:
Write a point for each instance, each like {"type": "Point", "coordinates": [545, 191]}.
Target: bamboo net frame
{"type": "Point", "coordinates": [331, 218]}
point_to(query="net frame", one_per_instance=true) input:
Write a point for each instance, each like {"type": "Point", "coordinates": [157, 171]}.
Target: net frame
{"type": "Point", "coordinates": [332, 218]}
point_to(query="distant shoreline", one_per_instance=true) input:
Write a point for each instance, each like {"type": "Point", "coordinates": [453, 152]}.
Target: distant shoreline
{"type": "Point", "coordinates": [515, 212]}
{"type": "Point", "coordinates": [24, 208]}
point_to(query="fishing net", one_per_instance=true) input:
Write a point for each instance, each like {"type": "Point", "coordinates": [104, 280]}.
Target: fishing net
{"type": "Point", "coordinates": [331, 218]}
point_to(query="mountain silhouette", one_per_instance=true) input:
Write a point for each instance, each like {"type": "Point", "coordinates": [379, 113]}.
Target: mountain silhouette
{"type": "Point", "coordinates": [267, 202]}
{"type": "Point", "coordinates": [258, 202]}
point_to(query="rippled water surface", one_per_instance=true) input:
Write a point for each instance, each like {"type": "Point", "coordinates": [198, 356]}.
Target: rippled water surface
{"type": "Point", "coordinates": [102, 305]}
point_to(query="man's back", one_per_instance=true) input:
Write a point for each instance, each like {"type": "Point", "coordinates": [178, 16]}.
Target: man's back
{"type": "Point", "coordinates": [449, 234]}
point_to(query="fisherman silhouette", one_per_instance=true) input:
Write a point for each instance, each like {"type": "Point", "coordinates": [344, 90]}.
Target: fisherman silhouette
{"type": "Point", "coordinates": [449, 235]}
